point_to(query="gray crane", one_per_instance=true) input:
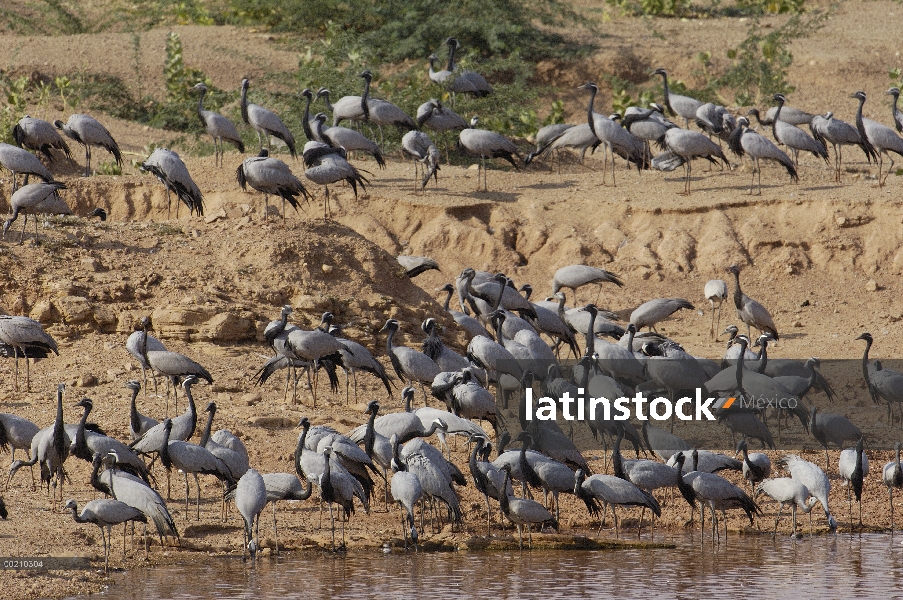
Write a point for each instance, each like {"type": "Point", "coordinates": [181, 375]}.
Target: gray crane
{"type": "Point", "coordinates": [418, 146]}
{"type": "Point", "coordinates": [168, 168]}
{"type": "Point", "coordinates": [409, 364]}
{"type": "Point", "coordinates": [886, 384]}
{"type": "Point", "coordinates": [88, 443]}
{"type": "Point", "coordinates": [577, 320]}
{"type": "Point", "coordinates": [716, 293]}
{"type": "Point", "coordinates": [744, 140]}
{"type": "Point", "coordinates": [88, 132]}
{"type": "Point", "coordinates": [250, 500]}
{"type": "Point", "coordinates": [756, 466]}
{"type": "Point", "coordinates": [441, 119]}
{"type": "Point", "coordinates": [789, 114]}
{"type": "Point", "coordinates": [647, 475]}
{"type": "Point", "coordinates": [661, 443]}
{"type": "Point", "coordinates": [676, 104]}
{"type": "Point", "coordinates": [834, 429]}
{"type": "Point", "coordinates": [336, 488]}
{"type": "Point", "coordinates": [133, 346]}
{"type": "Point", "coordinates": [356, 358]}
{"type": "Point", "coordinates": [407, 492]}
{"type": "Point", "coordinates": [472, 326]}
{"type": "Point", "coordinates": [647, 124]}
{"type": "Point", "coordinates": [747, 425]}
{"type": "Point", "coordinates": [138, 424]}
{"type": "Point", "coordinates": [218, 127]}
{"type": "Point", "coordinates": [680, 371]}
{"type": "Point", "coordinates": [16, 433]}
{"type": "Point", "coordinates": [416, 265]}
{"type": "Point", "coordinates": [405, 424]}
{"type": "Point", "coordinates": [892, 474]}
{"type": "Point", "coordinates": [827, 129]}
{"type": "Point", "coordinates": [40, 136]}
{"type": "Point", "coordinates": [191, 458]}
{"type": "Point", "coordinates": [463, 81]}
{"type": "Point", "coordinates": [613, 491]}
{"type": "Point", "coordinates": [576, 276]}
{"type": "Point", "coordinates": [28, 340]}
{"type": "Point", "coordinates": [446, 358]}
{"type": "Point", "coordinates": [16, 160]}
{"type": "Point", "coordinates": [271, 176]}
{"type": "Point", "coordinates": [383, 112]}
{"type": "Point", "coordinates": [707, 462]}
{"type": "Point", "coordinates": [895, 112]}
{"type": "Point", "coordinates": [689, 145]}
{"type": "Point", "coordinates": [544, 139]}
{"type": "Point", "coordinates": [879, 138]}
{"type": "Point", "coordinates": [237, 462]}
{"type": "Point", "coordinates": [106, 513]}
{"type": "Point", "coordinates": [815, 481]}
{"type": "Point", "coordinates": [654, 311]}
{"type": "Point", "coordinates": [853, 468]}
{"type": "Point", "coordinates": [487, 144]}
{"type": "Point", "coordinates": [346, 108]}
{"type": "Point", "coordinates": [717, 492]}
{"type": "Point", "coordinates": [170, 364]}
{"type": "Point", "coordinates": [487, 478]}
{"type": "Point", "coordinates": [315, 347]}
{"type": "Point", "coordinates": [348, 139]}
{"type": "Point", "coordinates": [795, 138]}
{"type": "Point", "coordinates": [436, 475]}
{"type": "Point", "coordinates": [134, 492]}
{"type": "Point", "coordinates": [183, 426]}
{"type": "Point", "coordinates": [786, 490]}
{"type": "Point", "coordinates": [523, 511]}
{"type": "Point", "coordinates": [576, 137]}
{"type": "Point", "coordinates": [749, 311]}
{"type": "Point", "coordinates": [715, 120]}
{"type": "Point", "coordinates": [327, 165]}
{"type": "Point", "coordinates": [32, 199]}
{"type": "Point", "coordinates": [283, 486]}
{"type": "Point", "coordinates": [615, 138]}
{"type": "Point", "coordinates": [265, 122]}
{"type": "Point", "coordinates": [439, 76]}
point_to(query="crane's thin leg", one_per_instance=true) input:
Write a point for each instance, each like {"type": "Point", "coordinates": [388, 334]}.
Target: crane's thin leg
{"type": "Point", "coordinates": [332, 521]}
{"type": "Point", "coordinates": [197, 484]}
{"type": "Point", "coordinates": [87, 160]}
{"type": "Point", "coordinates": [712, 330]}
{"type": "Point", "coordinates": [106, 553]}
{"type": "Point", "coordinates": [520, 537]}
{"type": "Point", "coordinates": [275, 531]}
{"type": "Point", "coordinates": [890, 492]}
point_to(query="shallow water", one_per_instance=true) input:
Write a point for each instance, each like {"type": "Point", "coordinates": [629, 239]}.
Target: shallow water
{"type": "Point", "coordinates": [828, 566]}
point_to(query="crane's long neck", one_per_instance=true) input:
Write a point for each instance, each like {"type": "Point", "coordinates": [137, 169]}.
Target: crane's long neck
{"type": "Point", "coordinates": [192, 412]}
{"type": "Point", "coordinates": [365, 99]}
{"type": "Point", "coordinates": [763, 356]}
{"type": "Point", "coordinates": [326, 482]}
{"type": "Point", "coordinates": [318, 128]}
{"type": "Point", "coordinates": [589, 110]}
{"type": "Point", "coordinates": [498, 300]}
{"type": "Point", "coordinates": [448, 299]}
{"type": "Point", "coordinates": [591, 335]}
{"type": "Point", "coordinates": [860, 125]}
{"type": "Point", "coordinates": [777, 116]}
{"type": "Point", "coordinates": [326, 101]}
{"type": "Point", "coordinates": [299, 450]}
{"type": "Point", "coordinates": [451, 57]}
{"type": "Point", "coordinates": [134, 420]}
{"type": "Point", "coordinates": [81, 445]}
{"type": "Point", "coordinates": [398, 464]}
{"type": "Point", "coordinates": [865, 360]}
{"type": "Point", "coordinates": [813, 377]}
{"type": "Point", "coordinates": [503, 495]}
{"type": "Point", "coordinates": [616, 459]}
{"type": "Point", "coordinates": [164, 448]}
{"type": "Point", "coordinates": [370, 434]}
{"type": "Point", "coordinates": [59, 429]}
{"type": "Point", "coordinates": [244, 104]}
{"type": "Point", "coordinates": [201, 107]}
{"type": "Point", "coordinates": [738, 293]}
{"type": "Point", "coordinates": [305, 120]}
{"type": "Point", "coordinates": [667, 94]}
{"type": "Point", "coordinates": [740, 361]}
{"type": "Point", "coordinates": [390, 343]}
{"type": "Point", "coordinates": [95, 477]}
{"type": "Point", "coordinates": [77, 517]}
{"type": "Point", "coordinates": [205, 437]}
{"type": "Point", "coordinates": [630, 333]}
{"type": "Point", "coordinates": [497, 321]}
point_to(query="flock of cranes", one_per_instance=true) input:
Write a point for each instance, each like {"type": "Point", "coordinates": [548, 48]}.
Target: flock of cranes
{"type": "Point", "coordinates": [327, 150]}
{"type": "Point", "coordinates": [514, 343]}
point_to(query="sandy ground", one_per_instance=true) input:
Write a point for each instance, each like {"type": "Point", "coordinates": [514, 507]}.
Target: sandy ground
{"type": "Point", "coordinates": [824, 258]}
